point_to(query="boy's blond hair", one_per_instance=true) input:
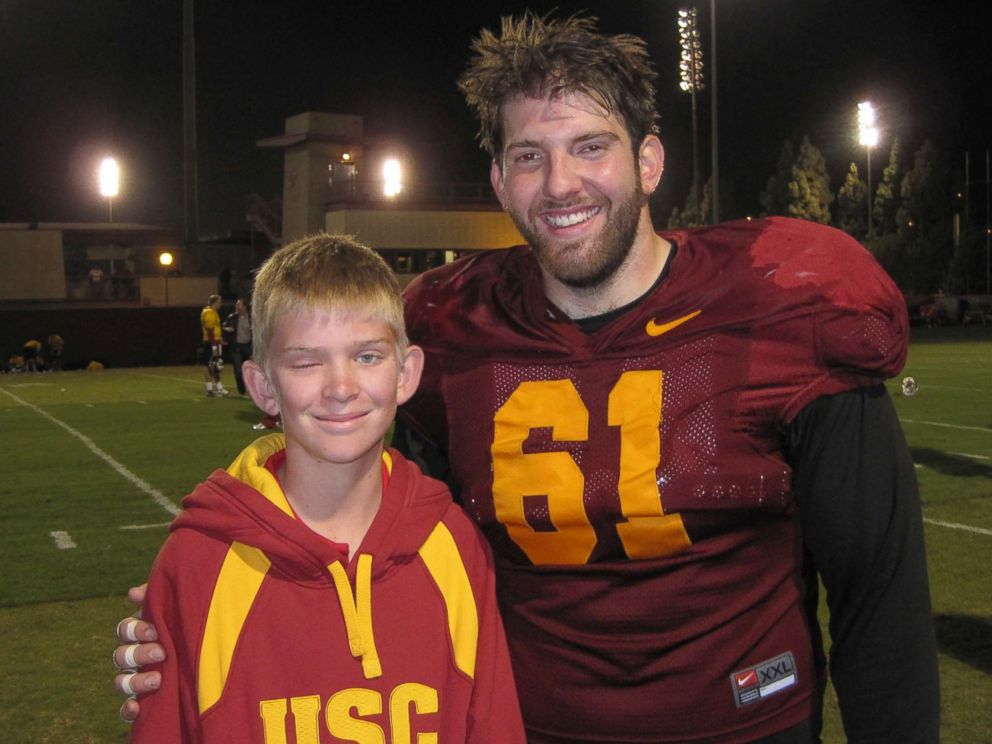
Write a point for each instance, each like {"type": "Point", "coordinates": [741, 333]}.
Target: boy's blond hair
{"type": "Point", "coordinates": [325, 272]}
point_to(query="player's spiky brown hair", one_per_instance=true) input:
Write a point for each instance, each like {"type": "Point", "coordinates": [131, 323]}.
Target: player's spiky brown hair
{"type": "Point", "coordinates": [538, 57]}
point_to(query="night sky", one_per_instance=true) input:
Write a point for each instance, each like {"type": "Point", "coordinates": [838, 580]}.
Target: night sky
{"type": "Point", "coordinates": [79, 80]}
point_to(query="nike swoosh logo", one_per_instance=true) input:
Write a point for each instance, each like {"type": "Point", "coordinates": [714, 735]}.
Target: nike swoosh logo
{"type": "Point", "coordinates": [656, 329]}
{"type": "Point", "coordinates": [746, 679]}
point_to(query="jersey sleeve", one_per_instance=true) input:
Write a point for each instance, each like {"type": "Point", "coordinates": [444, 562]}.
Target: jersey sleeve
{"type": "Point", "coordinates": [859, 324]}
{"type": "Point", "coordinates": [862, 524]}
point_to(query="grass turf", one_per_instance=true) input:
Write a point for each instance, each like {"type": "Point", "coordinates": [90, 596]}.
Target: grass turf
{"type": "Point", "coordinates": [105, 458]}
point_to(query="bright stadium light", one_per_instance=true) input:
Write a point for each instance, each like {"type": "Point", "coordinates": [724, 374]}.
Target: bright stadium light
{"type": "Point", "coordinates": [868, 137]}
{"type": "Point", "coordinates": [166, 260]}
{"type": "Point", "coordinates": [110, 182]}
{"type": "Point", "coordinates": [867, 131]}
{"type": "Point", "coordinates": [691, 71]}
{"type": "Point", "coordinates": [391, 176]}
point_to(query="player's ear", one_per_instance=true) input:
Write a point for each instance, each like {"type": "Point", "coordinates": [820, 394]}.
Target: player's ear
{"type": "Point", "coordinates": [260, 388]}
{"type": "Point", "coordinates": [650, 163]}
{"type": "Point", "coordinates": [410, 371]}
{"type": "Point", "coordinates": [496, 179]}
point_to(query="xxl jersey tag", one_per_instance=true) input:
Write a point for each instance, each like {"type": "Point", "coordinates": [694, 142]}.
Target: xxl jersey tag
{"type": "Point", "coordinates": [761, 680]}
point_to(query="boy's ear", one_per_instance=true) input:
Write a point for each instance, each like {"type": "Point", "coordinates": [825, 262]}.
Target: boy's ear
{"type": "Point", "coordinates": [260, 389]}
{"type": "Point", "coordinates": [410, 371]}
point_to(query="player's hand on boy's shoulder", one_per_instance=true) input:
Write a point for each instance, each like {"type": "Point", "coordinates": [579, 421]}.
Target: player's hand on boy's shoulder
{"type": "Point", "coordinates": [137, 648]}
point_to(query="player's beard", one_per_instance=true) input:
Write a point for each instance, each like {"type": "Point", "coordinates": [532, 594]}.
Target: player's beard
{"type": "Point", "coordinates": [575, 267]}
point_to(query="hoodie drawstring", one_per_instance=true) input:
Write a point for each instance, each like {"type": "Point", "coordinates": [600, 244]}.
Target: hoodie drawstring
{"type": "Point", "coordinates": [357, 611]}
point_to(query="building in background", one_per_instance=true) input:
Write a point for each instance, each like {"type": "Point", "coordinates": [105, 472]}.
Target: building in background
{"type": "Point", "coordinates": [337, 179]}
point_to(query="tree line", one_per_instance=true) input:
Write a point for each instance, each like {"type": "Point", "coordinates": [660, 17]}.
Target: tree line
{"type": "Point", "coordinates": [922, 231]}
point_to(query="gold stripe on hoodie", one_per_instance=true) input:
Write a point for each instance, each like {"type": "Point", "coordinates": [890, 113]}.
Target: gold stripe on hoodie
{"type": "Point", "coordinates": [440, 554]}
{"type": "Point", "coordinates": [238, 582]}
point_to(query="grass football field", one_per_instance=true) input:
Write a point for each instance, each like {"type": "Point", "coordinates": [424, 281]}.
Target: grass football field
{"type": "Point", "coordinates": [96, 462]}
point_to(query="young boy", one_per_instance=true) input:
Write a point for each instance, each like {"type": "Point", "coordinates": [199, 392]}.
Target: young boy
{"type": "Point", "coordinates": [322, 589]}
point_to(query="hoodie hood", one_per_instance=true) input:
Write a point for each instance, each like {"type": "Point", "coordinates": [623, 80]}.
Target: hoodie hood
{"type": "Point", "coordinates": [246, 504]}
{"type": "Point", "coordinates": [246, 507]}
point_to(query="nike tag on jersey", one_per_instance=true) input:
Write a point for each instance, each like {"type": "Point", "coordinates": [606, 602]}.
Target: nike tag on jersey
{"type": "Point", "coordinates": [761, 680]}
{"type": "Point", "coordinates": [654, 328]}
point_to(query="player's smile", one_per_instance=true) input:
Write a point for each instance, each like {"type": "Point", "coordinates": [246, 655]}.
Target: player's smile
{"type": "Point", "coordinates": [562, 219]}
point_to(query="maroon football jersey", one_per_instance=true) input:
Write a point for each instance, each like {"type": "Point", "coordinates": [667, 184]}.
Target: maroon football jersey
{"type": "Point", "coordinates": [632, 481]}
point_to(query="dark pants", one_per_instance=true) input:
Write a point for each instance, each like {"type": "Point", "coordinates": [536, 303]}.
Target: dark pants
{"type": "Point", "coordinates": [240, 353]}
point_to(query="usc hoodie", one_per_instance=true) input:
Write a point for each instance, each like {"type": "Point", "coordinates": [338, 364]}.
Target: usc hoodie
{"type": "Point", "coordinates": [273, 636]}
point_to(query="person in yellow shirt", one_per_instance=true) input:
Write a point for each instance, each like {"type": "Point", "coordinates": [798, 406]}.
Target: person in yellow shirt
{"type": "Point", "coordinates": [32, 355]}
{"type": "Point", "coordinates": [213, 347]}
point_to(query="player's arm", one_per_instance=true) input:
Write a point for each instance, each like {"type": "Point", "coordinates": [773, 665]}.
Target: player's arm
{"type": "Point", "coordinates": [862, 523]}
{"type": "Point", "coordinates": [137, 649]}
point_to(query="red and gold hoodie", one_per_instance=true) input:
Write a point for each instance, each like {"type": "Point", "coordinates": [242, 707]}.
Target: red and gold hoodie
{"type": "Point", "coordinates": [274, 636]}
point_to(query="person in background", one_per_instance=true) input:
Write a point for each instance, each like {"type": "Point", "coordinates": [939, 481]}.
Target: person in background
{"type": "Point", "coordinates": [55, 348]}
{"type": "Point", "coordinates": [96, 278]}
{"type": "Point", "coordinates": [32, 355]}
{"type": "Point", "coordinates": [213, 349]}
{"type": "Point", "coordinates": [238, 324]}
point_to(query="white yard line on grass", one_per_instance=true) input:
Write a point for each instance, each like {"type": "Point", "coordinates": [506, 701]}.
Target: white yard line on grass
{"type": "Point", "coordinates": [166, 377]}
{"type": "Point", "coordinates": [144, 526]}
{"type": "Point", "coordinates": [157, 496]}
{"type": "Point", "coordinates": [62, 539]}
{"type": "Point", "coordinates": [953, 526]}
{"type": "Point", "coordinates": [931, 386]}
{"type": "Point", "coordinates": [986, 429]}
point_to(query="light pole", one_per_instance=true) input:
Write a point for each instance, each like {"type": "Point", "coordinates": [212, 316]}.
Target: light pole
{"type": "Point", "coordinates": [867, 136]}
{"type": "Point", "coordinates": [110, 182]}
{"type": "Point", "coordinates": [691, 69]}
{"type": "Point", "coordinates": [165, 259]}
{"type": "Point", "coordinates": [714, 143]}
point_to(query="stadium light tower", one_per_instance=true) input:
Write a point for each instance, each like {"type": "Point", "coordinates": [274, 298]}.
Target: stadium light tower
{"type": "Point", "coordinates": [110, 182]}
{"type": "Point", "coordinates": [691, 70]}
{"type": "Point", "coordinates": [714, 128]}
{"type": "Point", "coordinates": [867, 136]}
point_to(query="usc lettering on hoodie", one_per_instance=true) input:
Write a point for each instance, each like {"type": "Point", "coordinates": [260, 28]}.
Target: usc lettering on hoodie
{"type": "Point", "coordinates": [274, 636]}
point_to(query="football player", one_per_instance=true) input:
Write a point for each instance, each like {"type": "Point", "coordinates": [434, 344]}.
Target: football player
{"type": "Point", "coordinates": [646, 425]}
{"type": "Point", "coordinates": [213, 347]}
